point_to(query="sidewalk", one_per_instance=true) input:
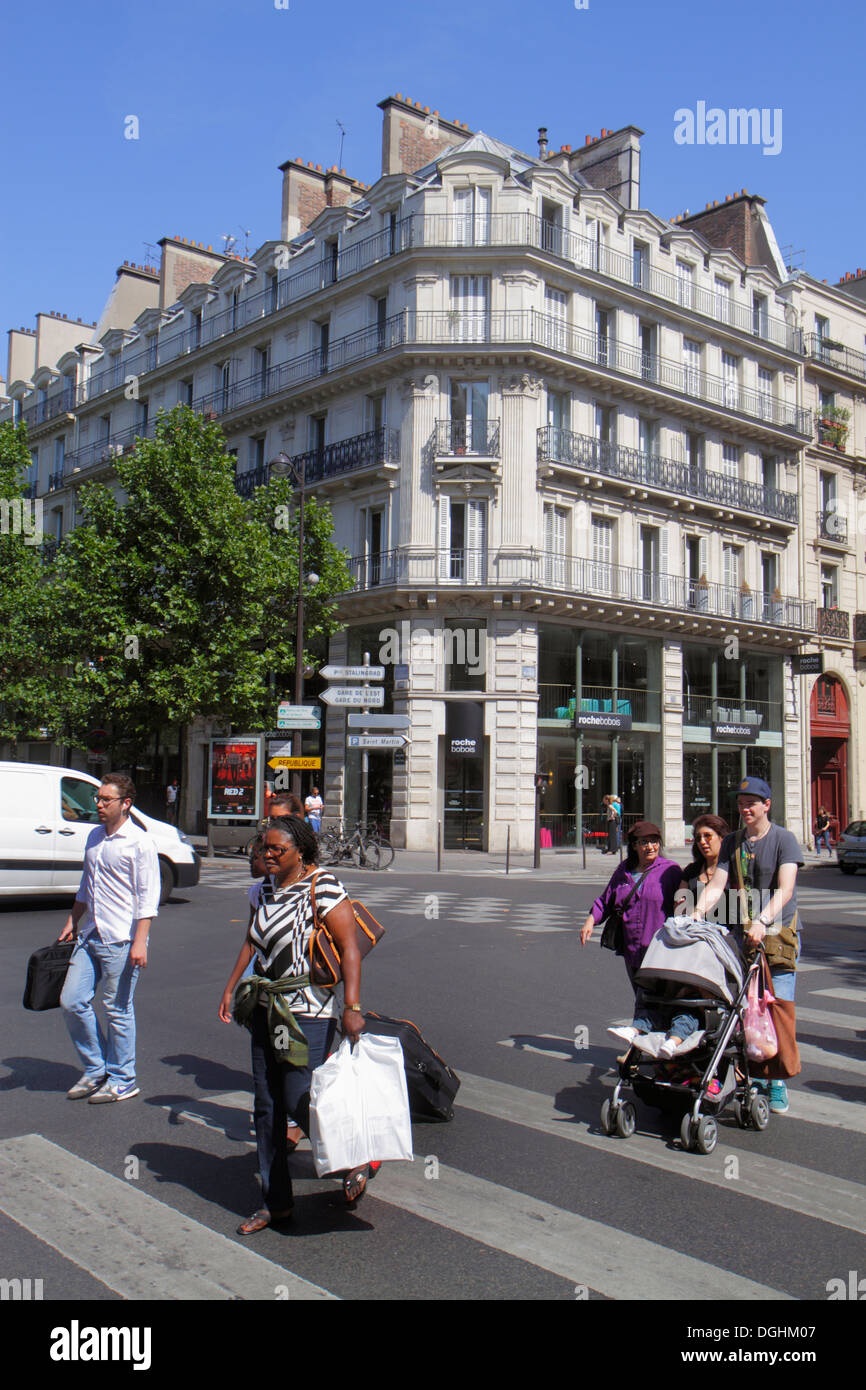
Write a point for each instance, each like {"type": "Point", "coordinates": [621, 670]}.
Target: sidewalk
{"type": "Point", "coordinates": [555, 864]}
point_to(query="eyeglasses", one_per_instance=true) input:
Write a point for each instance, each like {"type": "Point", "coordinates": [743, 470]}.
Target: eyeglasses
{"type": "Point", "coordinates": [268, 850]}
{"type": "Point", "coordinates": [103, 800]}
{"type": "Point", "coordinates": [705, 834]}
{"type": "Point", "coordinates": [650, 840]}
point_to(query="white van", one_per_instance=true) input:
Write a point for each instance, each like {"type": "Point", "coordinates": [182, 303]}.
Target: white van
{"type": "Point", "coordinates": [46, 815]}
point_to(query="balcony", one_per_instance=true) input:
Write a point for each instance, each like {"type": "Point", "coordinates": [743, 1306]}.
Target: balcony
{"type": "Point", "coordinates": [104, 451]}
{"type": "Point", "coordinates": [451, 328]}
{"type": "Point", "coordinates": [832, 622]}
{"type": "Point", "coordinates": [596, 580]}
{"type": "Point", "coordinates": [368, 450]}
{"type": "Point", "coordinates": [833, 355]}
{"type": "Point", "coordinates": [667, 475]}
{"type": "Point", "coordinates": [703, 710]}
{"type": "Point", "coordinates": [454, 438]}
{"type": "Point", "coordinates": [55, 480]}
{"type": "Point", "coordinates": [833, 526]}
{"type": "Point", "coordinates": [246, 483]}
{"type": "Point", "coordinates": [50, 409]}
{"type": "Point", "coordinates": [560, 702]}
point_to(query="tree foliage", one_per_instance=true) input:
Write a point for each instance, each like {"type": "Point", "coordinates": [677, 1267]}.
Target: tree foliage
{"type": "Point", "coordinates": [26, 683]}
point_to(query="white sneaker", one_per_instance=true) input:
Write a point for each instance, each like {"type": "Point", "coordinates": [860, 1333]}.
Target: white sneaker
{"type": "Point", "coordinates": [625, 1034]}
{"type": "Point", "coordinates": [111, 1091]}
{"type": "Point", "coordinates": [669, 1048]}
{"type": "Point", "coordinates": [85, 1087]}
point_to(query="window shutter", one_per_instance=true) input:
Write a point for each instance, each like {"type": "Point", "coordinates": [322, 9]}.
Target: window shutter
{"type": "Point", "coordinates": [444, 536]}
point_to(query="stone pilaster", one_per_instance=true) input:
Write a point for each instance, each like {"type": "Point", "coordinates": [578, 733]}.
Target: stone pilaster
{"type": "Point", "coordinates": [520, 419]}
{"type": "Point", "coordinates": [672, 825]}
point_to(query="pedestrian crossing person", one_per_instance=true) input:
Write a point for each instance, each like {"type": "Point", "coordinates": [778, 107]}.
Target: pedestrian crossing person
{"type": "Point", "coordinates": [761, 862]}
{"type": "Point", "coordinates": [117, 899]}
{"type": "Point", "coordinates": [292, 1022]}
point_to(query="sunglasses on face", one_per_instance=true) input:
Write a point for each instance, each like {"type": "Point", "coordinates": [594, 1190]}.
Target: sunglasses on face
{"type": "Point", "coordinates": [650, 840]}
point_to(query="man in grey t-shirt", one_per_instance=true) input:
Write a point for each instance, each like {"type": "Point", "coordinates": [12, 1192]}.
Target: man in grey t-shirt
{"type": "Point", "coordinates": [769, 858]}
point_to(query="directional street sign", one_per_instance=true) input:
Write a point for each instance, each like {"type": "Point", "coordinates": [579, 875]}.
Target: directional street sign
{"type": "Point", "coordinates": [298, 764]}
{"type": "Point", "coordinates": [353, 673]}
{"type": "Point", "coordinates": [377, 740]}
{"type": "Point", "coordinates": [353, 695]}
{"type": "Point", "coordinates": [378, 721]}
{"type": "Point", "coordinates": [298, 716]}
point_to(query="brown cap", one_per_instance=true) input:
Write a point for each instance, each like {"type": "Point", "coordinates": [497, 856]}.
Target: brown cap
{"type": "Point", "coordinates": [643, 827]}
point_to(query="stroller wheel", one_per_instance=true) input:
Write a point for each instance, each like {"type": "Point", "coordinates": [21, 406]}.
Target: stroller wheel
{"type": "Point", "coordinates": [707, 1135]}
{"type": "Point", "coordinates": [687, 1130]}
{"type": "Point", "coordinates": [626, 1120]}
{"type": "Point", "coordinates": [608, 1119]}
{"type": "Point", "coordinates": [741, 1114]}
{"type": "Point", "coordinates": [759, 1112]}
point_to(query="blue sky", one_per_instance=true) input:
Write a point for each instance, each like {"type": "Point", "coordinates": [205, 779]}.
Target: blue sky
{"type": "Point", "coordinates": [226, 92]}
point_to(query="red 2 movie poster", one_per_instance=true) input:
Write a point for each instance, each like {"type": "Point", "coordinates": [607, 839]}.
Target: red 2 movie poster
{"type": "Point", "coordinates": [234, 777]}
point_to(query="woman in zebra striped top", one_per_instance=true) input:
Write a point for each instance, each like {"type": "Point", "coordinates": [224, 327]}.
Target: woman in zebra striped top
{"type": "Point", "coordinates": [291, 1023]}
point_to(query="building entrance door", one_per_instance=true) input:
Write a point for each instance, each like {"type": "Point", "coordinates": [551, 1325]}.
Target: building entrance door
{"type": "Point", "coordinates": [464, 803]}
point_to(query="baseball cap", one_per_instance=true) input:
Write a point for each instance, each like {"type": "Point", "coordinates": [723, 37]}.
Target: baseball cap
{"type": "Point", "coordinates": [755, 786]}
{"type": "Point", "coordinates": [643, 828]}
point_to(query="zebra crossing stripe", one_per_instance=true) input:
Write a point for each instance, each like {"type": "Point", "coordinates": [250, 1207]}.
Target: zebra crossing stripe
{"type": "Point", "coordinates": [591, 1254]}
{"type": "Point", "coordinates": [853, 996]}
{"type": "Point", "coordinates": [829, 1019]}
{"type": "Point", "coordinates": [770, 1180]}
{"type": "Point", "coordinates": [131, 1242]}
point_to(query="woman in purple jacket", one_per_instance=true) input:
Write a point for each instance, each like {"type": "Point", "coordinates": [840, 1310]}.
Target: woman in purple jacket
{"type": "Point", "coordinates": [657, 881]}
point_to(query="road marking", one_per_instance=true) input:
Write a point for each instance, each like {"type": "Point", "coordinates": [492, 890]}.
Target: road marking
{"type": "Point", "coordinates": [589, 1253]}
{"type": "Point", "coordinates": [855, 996]}
{"type": "Point", "coordinates": [769, 1180]}
{"type": "Point", "coordinates": [828, 1018]}
{"type": "Point", "coordinates": [131, 1242]}
{"type": "Point", "coordinates": [821, 1110]}
{"type": "Point", "coordinates": [826, 1057]}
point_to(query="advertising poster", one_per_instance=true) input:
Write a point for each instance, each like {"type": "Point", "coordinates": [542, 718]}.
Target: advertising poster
{"type": "Point", "coordinates": [235, 776]}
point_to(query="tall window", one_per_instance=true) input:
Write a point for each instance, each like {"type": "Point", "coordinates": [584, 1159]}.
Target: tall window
{"type": "Point", "coordinates": [375, 412]}
{"type": "Point", "coordinates": [769, 576]}
{"type": "Point", "coordinates": [760, 315]}
{"type": "Point", "coordinates": [469, 313]}
{"type": "Point", "coordinates": [731, 378]}
{"type": "Point", "coordinates": [770, 472]}
{"type": "Point", "coordinates": [603, 335]}
{"type": "Point", "coordinates": [686, 284]}
{"type": "Point", "coordinates": [653, 559]}
{"type": "Point", "coordinates": [640, 265]}
{"type": "Point", "coordinates": [722, 293]}
{"type": "Point", "coordinates": [732, 567]}
{"type": "Point", "coordinates": [324, 336]}
{"type": "Point", "coordinates": [829, 586]}
{"type": "Point", "coordinates": [558, 410]}
{"type": "Point", "coordinates": [694, 444]}
{"type": "Point", "coordinates": [648, 446]}
{"type": "Point", "coordinates": [195, 329]}
{"type": "Point", "coordinates": [731, 460]}
{"type": "Point", "coordinates": [469, 401]}
{"type": "Point", "coordinates": [556, 321]}
{"type": "Point", "coordinates": [463, 539]}
{"type": "Point", "coordinates": [766, 383]}
{"type": "Point", "coordinates": [605, 425]}
{"type": "Point", "coordinates": [472, 216]}
{"type": "Point", "coordinates": [648, 364]}
{"type": "Point", "coordinates": [59, 456]}
{"type": "Point", "coordinates": [691, 367]}
{"type": "Point", "coordinates": [602, 576]}
{"type": "Point", "coordinates": [555, 544]}
{"type": "Point", "coordinates": [551, 227]}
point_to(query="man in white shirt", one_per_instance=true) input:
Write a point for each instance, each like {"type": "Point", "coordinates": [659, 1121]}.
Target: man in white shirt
{"type": "Point", "coordinates": [118, 896]}
{"type": "Point", "coordinates": [314, 806]}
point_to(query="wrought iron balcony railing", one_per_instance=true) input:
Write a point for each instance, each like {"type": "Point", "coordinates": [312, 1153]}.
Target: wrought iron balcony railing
{"type": "Point", "coordinates": [49, 409]}
{"type": "Point", "coordinates": [596, 579]}
{"type": "Point", "coordinates": [456, 437]}
{"type": "Point", "coordinates": [348, 455]}
{"type": "Point", "coordinates": [832, 622]}
{"type": "Point", "coordinates": [103, 451]}
{"type": "Point", "coordinates": [454, 328]}
{"type": "Point", "coordinates": [834, 355]}
{"type": "Point", "coordinates": [668, 475]}
{"type": "Point", "coordinates": [246, 483]}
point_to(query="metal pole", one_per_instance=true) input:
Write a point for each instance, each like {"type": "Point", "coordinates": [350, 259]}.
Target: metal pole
{"type": "Point", "coordinates": [536, 858]}
{"type": "Point", "coordinates": [439, 847]}
{"type": "Point", "coordinates": [299, 630]}
{"type": "Point", "coordinates": [507, 849]}
{"type": "Point", "coordinates": [365, 761]}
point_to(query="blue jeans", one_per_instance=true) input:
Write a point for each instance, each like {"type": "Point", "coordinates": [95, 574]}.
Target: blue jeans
{"type": "Point", "coordinates": [825, 836]}
{"type": "Point", "coordinates": [282, 1093]}
{"type": "Point", "coordinates": [111, 1053]}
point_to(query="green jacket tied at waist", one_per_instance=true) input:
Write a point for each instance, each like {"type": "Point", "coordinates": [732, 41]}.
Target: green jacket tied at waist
{"type": "Point", "coordinates": [255, 990]}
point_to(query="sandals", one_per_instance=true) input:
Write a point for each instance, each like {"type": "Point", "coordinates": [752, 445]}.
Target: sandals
{"type": "Point", "coordinates": [261, 1219]}
{"type": "Point", "coordinates": [355, 1182]}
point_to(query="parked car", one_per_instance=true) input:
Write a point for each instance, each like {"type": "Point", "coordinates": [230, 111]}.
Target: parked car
{"type": "Point", "coordinates": [46, 815]}
{"type": "Point", "coordinates": [851, 847]}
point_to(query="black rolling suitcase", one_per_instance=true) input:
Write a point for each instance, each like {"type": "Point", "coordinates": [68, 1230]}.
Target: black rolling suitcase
{"type": "Point", "coordinates": [431, 1083]}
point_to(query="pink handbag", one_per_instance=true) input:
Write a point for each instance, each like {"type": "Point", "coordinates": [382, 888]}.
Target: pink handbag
{"type": "Point", "coordinates": [761, 1040]}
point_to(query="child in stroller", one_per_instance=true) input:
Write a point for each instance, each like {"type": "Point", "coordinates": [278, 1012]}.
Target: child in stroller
{"type": "Point", "coordinates": [687, 1049]}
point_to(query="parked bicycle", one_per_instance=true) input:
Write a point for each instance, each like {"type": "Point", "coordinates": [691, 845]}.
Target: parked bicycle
{"type": "Point", "coordinates": [366, 847]}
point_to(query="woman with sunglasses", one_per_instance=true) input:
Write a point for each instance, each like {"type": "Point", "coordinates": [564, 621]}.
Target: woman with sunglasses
{"type": "Point", "coordinates": [708, 832]}
{"type": "Point", "coordinates": [292, 1022]}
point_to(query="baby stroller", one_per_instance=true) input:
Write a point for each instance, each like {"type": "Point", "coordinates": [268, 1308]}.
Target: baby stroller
{"type": "Point", "coordinates": [714, 1074]}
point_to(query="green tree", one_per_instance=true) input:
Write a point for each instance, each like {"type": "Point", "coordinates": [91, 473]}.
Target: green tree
{"type": "Point", "coordinates": [183, 591]}
{"type": "Point", "coordinates": [26, 683]}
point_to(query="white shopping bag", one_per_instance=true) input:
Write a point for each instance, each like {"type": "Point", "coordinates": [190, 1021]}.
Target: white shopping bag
{"type": "Point", "coordinates": [359, 1106]}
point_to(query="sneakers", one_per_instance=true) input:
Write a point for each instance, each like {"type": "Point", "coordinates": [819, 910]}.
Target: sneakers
{"type": "Point", "coordinates": [624, 1034]}
{"type": "Point", "coordinates": [111, 1091]}
{"type": "Point", "coordinates": [779, 1098]}
{"type": "Point", "coordinates": [85, 1087]}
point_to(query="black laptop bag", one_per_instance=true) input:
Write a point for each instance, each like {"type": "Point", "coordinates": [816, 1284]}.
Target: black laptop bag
{"type": "Point", "coordinates": [431, 1083]}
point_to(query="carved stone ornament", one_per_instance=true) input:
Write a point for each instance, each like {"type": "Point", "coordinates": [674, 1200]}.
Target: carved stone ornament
{"type": "Point", "coordinates": [524, 385]}
{"type": "Point", "coordinates": [420, 386]}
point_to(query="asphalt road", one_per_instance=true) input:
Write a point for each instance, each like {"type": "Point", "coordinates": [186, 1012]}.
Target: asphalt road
{"type": "Point", "coordinates": [521, 1197]}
